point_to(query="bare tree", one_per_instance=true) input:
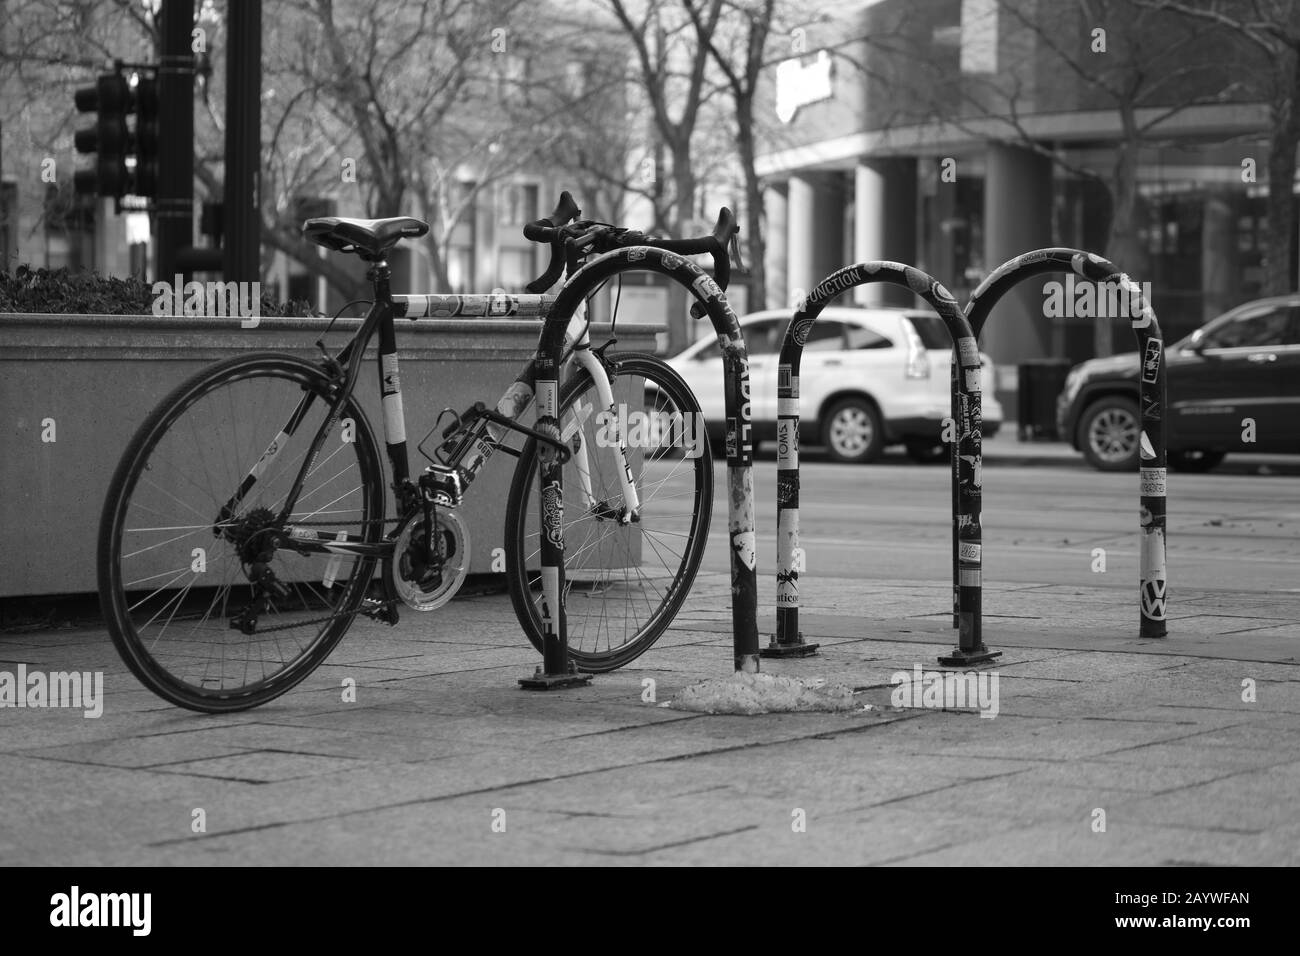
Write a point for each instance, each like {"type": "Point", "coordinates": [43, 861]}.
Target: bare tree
{"type": "Point", "coordinates": [741, 57]}
{"type": "Point", "coordinates": [47, 49]}
{"type": "Point", "coordinates": [1271, 28]}
{"type": "Point", "coordinates": [1141, 63]}
{"type": "Point", "coordinates": [424, 105]}
{"type": "Point", "coordinates": [672, 66]}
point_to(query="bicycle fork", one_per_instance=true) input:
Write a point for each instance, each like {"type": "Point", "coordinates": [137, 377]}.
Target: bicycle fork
{"type": "Point", "coordinates": [588, 359]}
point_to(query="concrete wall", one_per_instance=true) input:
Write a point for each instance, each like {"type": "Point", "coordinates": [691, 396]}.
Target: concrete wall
{"type": "Point", "coordinates": [97, 377]}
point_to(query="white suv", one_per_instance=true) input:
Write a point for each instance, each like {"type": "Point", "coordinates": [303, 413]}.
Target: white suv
{"type": "Point", "coordinates": [868, 378]}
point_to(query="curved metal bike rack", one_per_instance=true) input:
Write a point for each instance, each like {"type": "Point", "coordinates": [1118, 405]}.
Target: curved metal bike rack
{"type": "Point", "coordinates": [740, 480]}
{"type": "Point", "coordinates": [788, 642]}
{"type": "Point", "coordinates": [1152, 393]}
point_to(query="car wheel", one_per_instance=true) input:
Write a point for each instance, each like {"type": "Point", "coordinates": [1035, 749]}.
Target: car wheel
{"type": "Point", "coordinates": [926, 451]}
{"type": "Point", "coordinates": [1193, 459]}
{"type": "Point", "coordinates": [1109, 434]}
{"type": "Point", "coordinates": [851, 431]}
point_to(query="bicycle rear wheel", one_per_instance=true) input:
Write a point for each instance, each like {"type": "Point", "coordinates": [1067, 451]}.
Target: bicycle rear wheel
{"type": "Point", "coordinates": [177, 542]}
{"type": "Point", "coordinates": [624, 582]}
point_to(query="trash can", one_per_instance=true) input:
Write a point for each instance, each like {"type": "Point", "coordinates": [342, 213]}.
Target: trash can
{"type": "Point", "coordinates": [1039, 383]}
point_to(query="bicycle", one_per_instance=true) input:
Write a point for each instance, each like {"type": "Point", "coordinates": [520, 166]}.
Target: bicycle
{"type": "Point", "coordinates": [269, 461]}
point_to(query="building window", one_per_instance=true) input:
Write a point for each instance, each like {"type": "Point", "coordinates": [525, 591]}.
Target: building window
{"type": "Point", "coordinates": [518, 205]}
{"type": "Point", "coordinates": [8, 226]}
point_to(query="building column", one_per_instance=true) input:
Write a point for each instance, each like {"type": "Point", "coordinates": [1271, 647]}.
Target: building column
{"type": "Point", "coordinates": [815, 233]}
{"type": "Point", "coordinates": [800, 229]}
{"type": "Point", "coordinates": [1017, 219]}
{"type": "Point", "coordinates": [776, 249]}
{"type": "Point", "coordinates": [884, 223]}
{"type": "Point", "coordinates": [1219, 268]}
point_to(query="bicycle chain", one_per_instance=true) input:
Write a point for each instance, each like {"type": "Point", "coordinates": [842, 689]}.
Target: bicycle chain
{"type": "Point", "coordinates": [376, 606]}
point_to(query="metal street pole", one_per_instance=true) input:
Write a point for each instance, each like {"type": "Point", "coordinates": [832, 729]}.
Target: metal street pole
{"type": "Point", "coordinates": [175, 199]}
{"type": "Point", "coordinates": [243, 141]}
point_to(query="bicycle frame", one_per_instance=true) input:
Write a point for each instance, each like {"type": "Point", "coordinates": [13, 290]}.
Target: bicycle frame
{"type": "Point", "coordinates": [474, 452]}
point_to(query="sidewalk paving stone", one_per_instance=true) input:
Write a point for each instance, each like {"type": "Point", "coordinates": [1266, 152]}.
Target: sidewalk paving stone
{"type": "Point", "coordinates": [440, 737]}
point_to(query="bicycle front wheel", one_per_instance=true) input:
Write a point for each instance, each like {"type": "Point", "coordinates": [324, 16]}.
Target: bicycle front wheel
{"type": "Point", "coordinates": [624, 579]}
{"type": "Point", "coordinates": [202, 605]}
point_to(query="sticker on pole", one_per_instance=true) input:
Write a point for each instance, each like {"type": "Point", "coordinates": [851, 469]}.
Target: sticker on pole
{"type": "Point", "coordinates": [969, 351]}
{"type": "Point", "coordinates": [1153, 482]}
{"type": "Point", "coordinates": [1151, 362]}
{"type": "Point", "coordinates": [968, 552]}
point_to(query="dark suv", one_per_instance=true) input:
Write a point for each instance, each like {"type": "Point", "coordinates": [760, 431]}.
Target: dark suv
{"type": "Point", "coordinates": [1234, 385]}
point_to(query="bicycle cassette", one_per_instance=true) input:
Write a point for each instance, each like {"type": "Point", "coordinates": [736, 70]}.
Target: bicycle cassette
{"type": "Point", "coordinates": [424, 584]}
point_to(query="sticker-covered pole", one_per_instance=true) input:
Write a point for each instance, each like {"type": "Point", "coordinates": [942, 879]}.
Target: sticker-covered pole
{"type": "Point", "coordinates": [1152, 393]}
{"type": "Point", "coordinates": [788, 640]}
{"type": "Point", "coordinates": [735, 361]}
{"type": "Point", "coordinates": [556, 669]}
{"type": "Point", "coordinates": [790, 557]}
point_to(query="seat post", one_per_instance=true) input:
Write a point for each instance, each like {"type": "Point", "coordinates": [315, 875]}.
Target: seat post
{"type": "Point", "coordinates": [379, 273]}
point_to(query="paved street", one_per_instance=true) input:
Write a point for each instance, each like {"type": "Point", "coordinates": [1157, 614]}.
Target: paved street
{"type": "Point", "coordinates": [1230, 528]}
{"type": "Point", "coordinates": [1153, 739]}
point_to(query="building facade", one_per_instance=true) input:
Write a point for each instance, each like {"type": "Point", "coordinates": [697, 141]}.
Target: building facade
{"type": "Point", "coordinates": [957, 134]}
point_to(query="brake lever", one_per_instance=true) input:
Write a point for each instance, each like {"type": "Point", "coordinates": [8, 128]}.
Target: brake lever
{"type": "Point", "coordinates": [733, 253]}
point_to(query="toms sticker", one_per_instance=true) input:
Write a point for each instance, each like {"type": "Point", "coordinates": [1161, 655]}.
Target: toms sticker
{"type": "Point", "coordinates": [968, 552]}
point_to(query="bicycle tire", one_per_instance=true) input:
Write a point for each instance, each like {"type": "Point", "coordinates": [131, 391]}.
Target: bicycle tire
{"type": "Point", "coordinates": [584, 649]}
{"type": "Point", "coordinates": [282, 382]}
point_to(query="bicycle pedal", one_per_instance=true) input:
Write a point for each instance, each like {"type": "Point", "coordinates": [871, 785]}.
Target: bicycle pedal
{"type": "Point", "coordinates": [380, 611]}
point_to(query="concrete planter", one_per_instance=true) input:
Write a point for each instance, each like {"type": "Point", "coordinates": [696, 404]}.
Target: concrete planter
{"type": "Point", "coordinates": [74, 388]}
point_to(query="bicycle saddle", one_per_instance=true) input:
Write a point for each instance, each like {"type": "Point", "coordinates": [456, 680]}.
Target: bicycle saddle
{"type": "Point", "coordinates": [369, 238]}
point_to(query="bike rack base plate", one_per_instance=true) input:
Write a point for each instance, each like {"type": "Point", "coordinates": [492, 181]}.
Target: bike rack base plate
{"type": "Point", "coordinates": [540, 681]}
{"type": "Point", "coordinates": [795, 648]}
{"type": "Point", "coordinates": [960, 657]}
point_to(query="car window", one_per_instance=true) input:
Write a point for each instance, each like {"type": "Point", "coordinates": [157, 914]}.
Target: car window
{"type": "Point", "coordinates": [826, 335]}
{"type": "Point", "coordinates": [934, 334]}
{"type": "Point", "coordinates": [763, 337]}
{"type": "Point", "coordinates": [864, 338]}
{"type": "Point", "coordinates": [759, 338]}
{"type": "Point", "coordinates": [1257, 328]}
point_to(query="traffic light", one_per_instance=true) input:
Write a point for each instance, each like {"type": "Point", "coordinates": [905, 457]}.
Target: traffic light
{"type": "Point", "coordinates": [146, 136]}
{"type": "Point", "coordinates": [114, 99]}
